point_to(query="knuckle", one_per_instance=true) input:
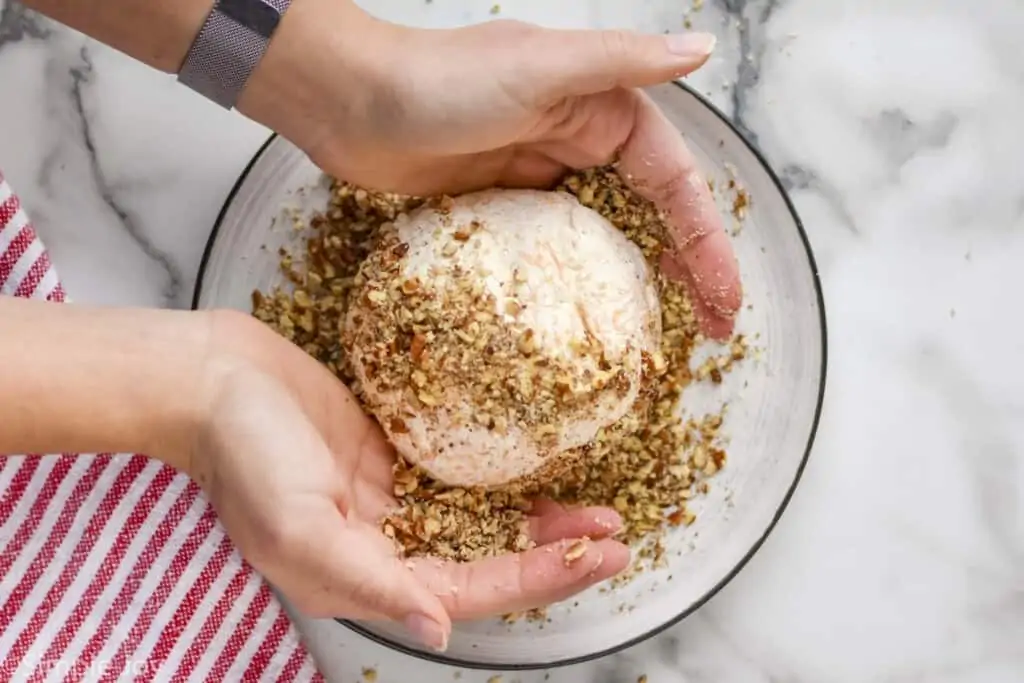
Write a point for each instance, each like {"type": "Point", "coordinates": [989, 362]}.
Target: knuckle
{"type": "Point", "coordinates": [617, 44]}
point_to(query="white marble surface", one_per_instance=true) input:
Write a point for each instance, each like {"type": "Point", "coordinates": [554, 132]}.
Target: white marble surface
{"type": "Point", "coordinates": [897, 126]}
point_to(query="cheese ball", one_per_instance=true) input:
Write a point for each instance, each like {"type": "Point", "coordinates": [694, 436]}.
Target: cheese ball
{"type": "Point", "coordinates": [494, 334]}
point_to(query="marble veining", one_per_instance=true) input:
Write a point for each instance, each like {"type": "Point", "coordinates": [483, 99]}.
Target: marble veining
{"type": "Point", "coordinates": [896, 127]}
{"type": "Point", "coordinates": [18, 23]}
{"type": "Point", "coordinates": [80, 76]}
{"type": "Point", "coordinates": [749, 18]}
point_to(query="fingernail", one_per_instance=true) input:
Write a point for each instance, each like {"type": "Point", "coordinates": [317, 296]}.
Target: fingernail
{"type": "Point", "coordinates": [597, 564]}
{"type": "Point", "coordinates": [427, 631]}
{"type": "Point", "coordinates": [691, 44]}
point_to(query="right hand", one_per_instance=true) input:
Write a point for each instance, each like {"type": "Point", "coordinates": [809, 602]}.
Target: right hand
{"type": "Point", "coordinates": [501, 103]}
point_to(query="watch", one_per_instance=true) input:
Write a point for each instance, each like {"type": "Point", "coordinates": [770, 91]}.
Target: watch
{"type": "Point", "coordinates": [229, 46]}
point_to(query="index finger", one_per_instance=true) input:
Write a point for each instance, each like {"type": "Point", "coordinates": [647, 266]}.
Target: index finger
{"type": "Point", "coordinates": [657, 165]}
{"type": "Point", "coordinates": [517, 582]}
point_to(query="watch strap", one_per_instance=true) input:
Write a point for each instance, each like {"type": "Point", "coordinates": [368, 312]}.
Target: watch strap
{"type": "Point", "coordinates": [229, 46]}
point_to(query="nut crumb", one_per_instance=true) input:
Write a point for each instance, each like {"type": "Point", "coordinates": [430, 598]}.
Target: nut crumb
{"type": "Point", "coordinates": [574, 552]}
{"type": "Point", "coordinates": [648, 466]}
{"type": "Point", "coordinates": [369, 675]}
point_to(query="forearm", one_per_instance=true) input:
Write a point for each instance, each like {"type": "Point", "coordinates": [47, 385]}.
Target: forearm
{"type": "Point", "coordinates": [77, 379]}
{"type": "Point", "coordinates": [156, 32]}
{"type": "Point", "coordinates": [320, 45]}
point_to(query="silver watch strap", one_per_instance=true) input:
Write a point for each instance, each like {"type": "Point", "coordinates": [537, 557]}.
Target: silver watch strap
{"type": "Point", "coordinates": [229, 46]}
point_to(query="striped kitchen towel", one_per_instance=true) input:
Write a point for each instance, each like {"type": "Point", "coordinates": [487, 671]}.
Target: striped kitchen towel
{"type": "Point", "coordinates": [114, 567]}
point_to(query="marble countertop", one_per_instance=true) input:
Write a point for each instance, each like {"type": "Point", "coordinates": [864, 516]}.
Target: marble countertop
{"type": "Point", "coordinates": [896, 126]}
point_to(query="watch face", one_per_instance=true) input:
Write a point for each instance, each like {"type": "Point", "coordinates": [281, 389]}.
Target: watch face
{"type": "Point", "coordinates": [257, 15]}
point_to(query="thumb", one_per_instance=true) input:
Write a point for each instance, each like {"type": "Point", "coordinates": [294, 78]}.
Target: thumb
{"type": "Point", "coordinates": [577, 63]}
{"type": "Point", "coordinates": [381, 585]}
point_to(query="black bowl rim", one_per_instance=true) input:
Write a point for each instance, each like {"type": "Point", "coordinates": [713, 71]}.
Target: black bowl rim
{"type": "Point", "coordinates": [533, 666]}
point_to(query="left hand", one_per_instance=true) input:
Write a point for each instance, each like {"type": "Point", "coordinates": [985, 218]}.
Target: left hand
{"type": "Point", "coordinates": [496, 104]}
{"type": "Point", "coordinates": [301, 478]}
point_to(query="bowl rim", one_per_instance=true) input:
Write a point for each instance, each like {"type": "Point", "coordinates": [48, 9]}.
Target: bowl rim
{"type": "Point", "coordinates": [438, 658]}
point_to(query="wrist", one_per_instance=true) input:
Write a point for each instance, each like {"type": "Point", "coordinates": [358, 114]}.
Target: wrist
{"type": "Point", "coordinates": [101, 379]}
{"type": "Point", "coordinates": [242, 352]}
{"type": "Point", "coordinates": [168, 362]}
{"type": "Point", "coordinates": [215, 351]}
{"type": "Point", "coordinates": [321, 69]}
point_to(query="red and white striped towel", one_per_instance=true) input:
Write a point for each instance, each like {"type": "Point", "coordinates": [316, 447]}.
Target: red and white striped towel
{"type": "Point", "coordinates": [114, 567]}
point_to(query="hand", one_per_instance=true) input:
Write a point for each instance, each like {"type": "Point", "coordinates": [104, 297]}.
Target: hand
{"type": "Point", "coordinates": [300, 478]}
{"type": "Point", "coordinates": [497, 104]}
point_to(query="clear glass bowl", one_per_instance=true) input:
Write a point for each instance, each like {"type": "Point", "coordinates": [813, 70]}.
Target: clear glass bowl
{"type": "Point", "coordinates": [774, 401]}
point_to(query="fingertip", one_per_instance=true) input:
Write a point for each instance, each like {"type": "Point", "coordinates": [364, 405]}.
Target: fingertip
{"type": "Point", "coordinates": [716, 299]}
{"type": "Point", "coordinates": [693, 49]}
{"type": "Point", "coordinates": [617, 557]}
{"type": "Point", "coordinates": [719, 282]}
{"type": "Point", "coordinates": [553, 523]}
{"type": "Point", "coordinates": [581, 557]}
{"type": "Point", "coordinates": [694, 44]}
{"type": "Point", "coordinates": [597, 561]}
{"type": "Point", "coordinates": [606, 519]}
{"type": "Point", "coordinates": [718, 329]}
{"type": "Point", "coordinates": [714, 323]}
{"type": "Point", "coordinates": [594, 560]}
{"type": "Point", "coordinates": [574, 565]}
{"type": "Point", "coordinates": [429, 631]}
{"type": "Point", "coordinates": [428, 621]}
